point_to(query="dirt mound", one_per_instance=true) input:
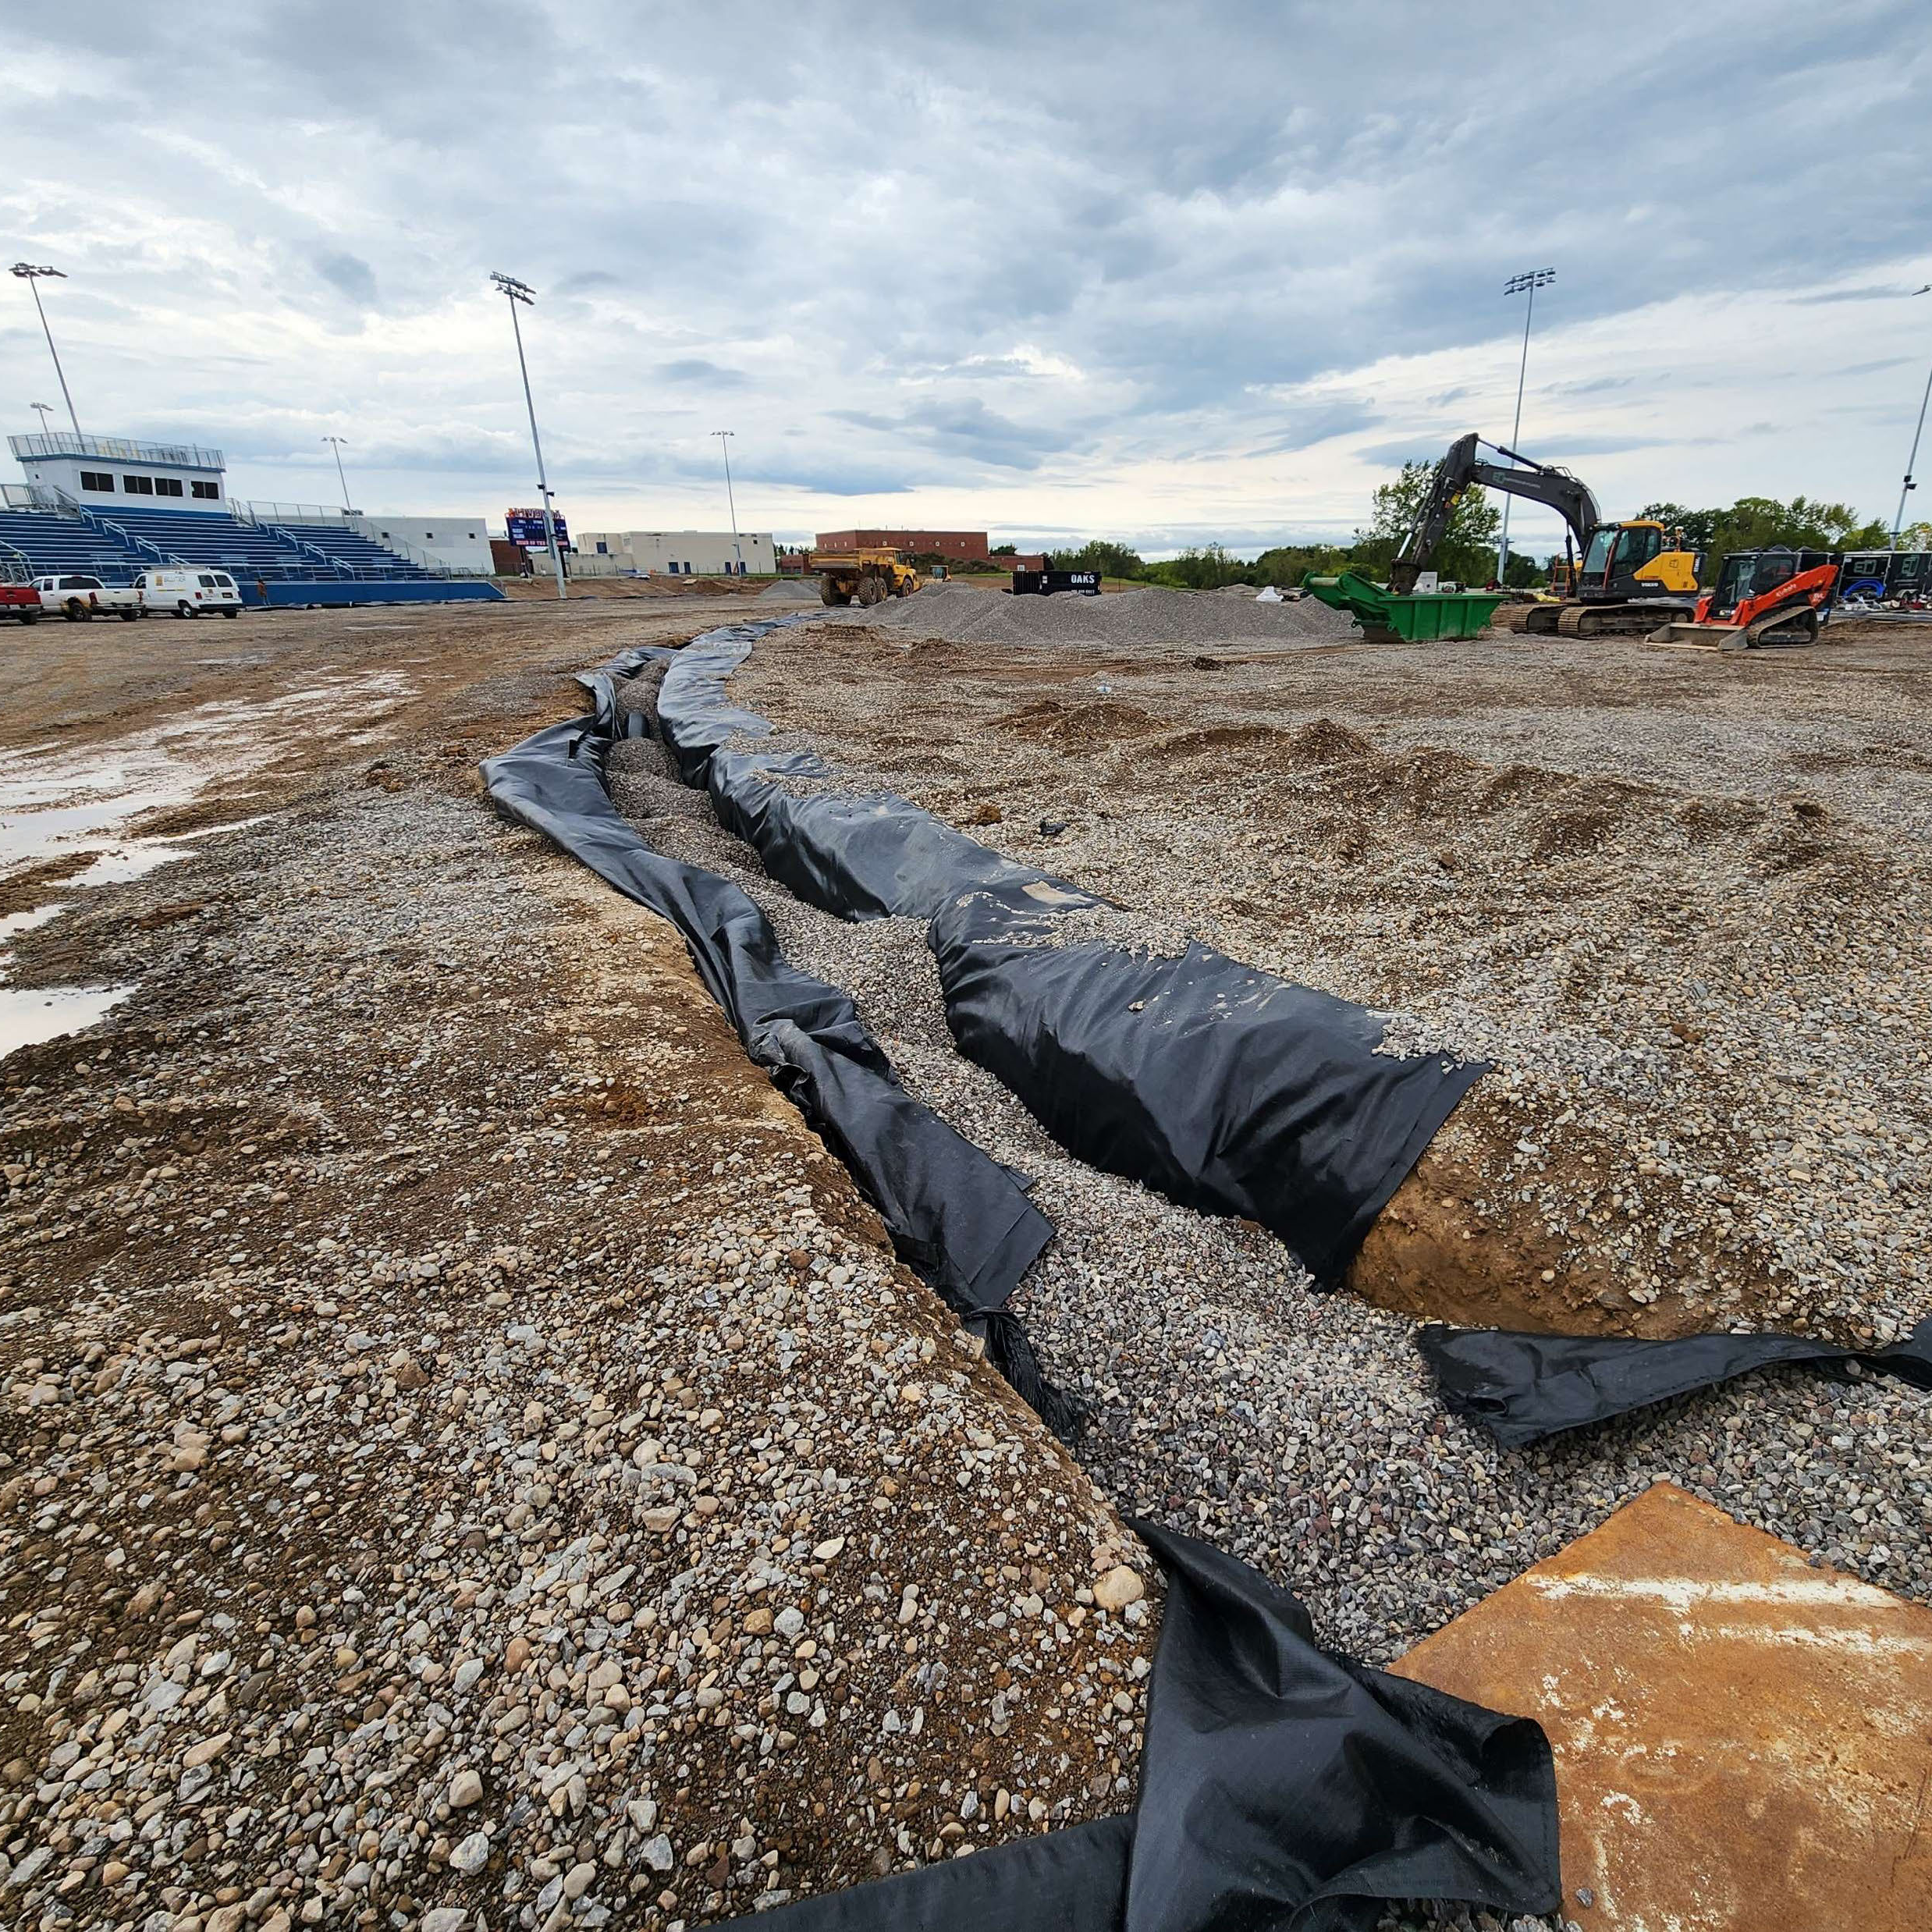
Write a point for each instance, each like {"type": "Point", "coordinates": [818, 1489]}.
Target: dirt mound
{"type": "Point", "coordinates": [1079, 727]}
{"type": "Point", "coordinates": [1325, 742]}
{"type": "Point", "coordinates": [1219, 741]}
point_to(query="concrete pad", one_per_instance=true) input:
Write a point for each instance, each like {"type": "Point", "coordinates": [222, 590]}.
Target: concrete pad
{"type": "Point", "coordinates": [1743, 1739]}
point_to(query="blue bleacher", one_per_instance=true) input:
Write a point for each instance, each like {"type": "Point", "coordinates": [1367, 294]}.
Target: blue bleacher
{"type": "Point", "coordinates": [353, 550]}
{"type": "Point", "coordinates": [51, 541]}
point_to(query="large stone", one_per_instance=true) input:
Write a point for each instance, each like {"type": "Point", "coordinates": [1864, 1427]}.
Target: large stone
{"type": "Point", "coordinates": [1742, 1738]}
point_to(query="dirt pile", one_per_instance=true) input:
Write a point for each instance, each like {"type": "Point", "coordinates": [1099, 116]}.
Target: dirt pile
{"type": "Point", "coordinates": [1121, 620]}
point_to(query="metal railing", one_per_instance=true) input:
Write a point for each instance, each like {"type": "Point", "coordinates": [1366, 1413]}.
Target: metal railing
{"type": "Point", "coordinates": [114, 450]}
{"type": "Point", "coordinates": [261, 513]}
{"type": "Point", "coordinates": [42, 496]}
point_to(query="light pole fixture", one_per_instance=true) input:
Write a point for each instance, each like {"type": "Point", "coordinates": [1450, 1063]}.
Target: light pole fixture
{"type": "Point", "coordinates": [521, 291]}
{"type": "Point", "coordinates": [337, 441]}
{"type": "Point", "coordinates": [724, 442]}
{"type": "Point", "coordinates": [33, 275]}
{"type": "Point", "coordinates": [46, 409]}
{"type": "Point", "coordinates": [1898, 522]}
{"type": "Point", "coordinates": [1526, 284]}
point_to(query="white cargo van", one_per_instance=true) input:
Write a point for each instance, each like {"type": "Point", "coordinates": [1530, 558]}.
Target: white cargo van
{"type": "Point", "coordinates": [188, 592]}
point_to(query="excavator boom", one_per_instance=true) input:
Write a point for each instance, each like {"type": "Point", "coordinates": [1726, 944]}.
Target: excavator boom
{"type": "Point", "coordinates": [1461, 469]}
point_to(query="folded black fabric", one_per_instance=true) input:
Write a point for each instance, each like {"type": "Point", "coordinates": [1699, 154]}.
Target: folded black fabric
{"type": "Point", "coordinates": [955, 1215]}
{"type": "Point", "coordinates": [1229, 1090]}
{"type": "Point", "coordinates": [1522, 1388]}
{"type": "Point", "coordinates": [1280, 1786]}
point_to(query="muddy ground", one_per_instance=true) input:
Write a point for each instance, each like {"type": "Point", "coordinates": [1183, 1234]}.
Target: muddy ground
{"type": "Point", "coordinates": [463, 1446]}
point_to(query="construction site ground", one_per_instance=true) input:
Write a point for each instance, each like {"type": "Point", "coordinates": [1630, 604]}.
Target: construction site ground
{"type": "Point", "coordinates": [467, 1448]}
{"type": "Point", "coordinates": [464, 1445]}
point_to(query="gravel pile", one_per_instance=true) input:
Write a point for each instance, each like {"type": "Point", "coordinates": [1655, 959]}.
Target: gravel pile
{"type": "Point", "coordinates": [791, 590]}
{"type": "Point", "coordinates": [1127, 620]}
{"type": "Point", "coordinates": [1297, 1428]}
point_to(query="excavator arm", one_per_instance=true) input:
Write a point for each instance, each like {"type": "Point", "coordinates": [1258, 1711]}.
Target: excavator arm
{"type": "Point", "coordinates": [1461, 469]}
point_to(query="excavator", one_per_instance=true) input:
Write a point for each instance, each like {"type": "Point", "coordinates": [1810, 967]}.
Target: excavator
{"type": "Point", "coordinates": [1631, 577]}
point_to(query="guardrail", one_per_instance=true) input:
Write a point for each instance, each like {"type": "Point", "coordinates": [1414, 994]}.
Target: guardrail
{"type": "Point", "coordinates": [261, 513]}
{"type": "Point", "coordinates": [116, 449]}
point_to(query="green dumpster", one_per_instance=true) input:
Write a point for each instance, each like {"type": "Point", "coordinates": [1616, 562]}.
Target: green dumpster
{"type": "Point", "coordinates": [1427, 614]}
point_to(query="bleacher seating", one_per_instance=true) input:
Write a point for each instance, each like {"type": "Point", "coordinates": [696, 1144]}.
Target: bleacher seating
{"type": "Point", "coordinates": [48, 543]}
{"type": "Point", "coordinates": [50, 540]}
{"type": "Point", "coordinates": [351, 550]}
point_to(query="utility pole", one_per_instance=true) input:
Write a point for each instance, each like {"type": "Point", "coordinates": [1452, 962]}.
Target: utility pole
{"type": "Point", "coordinates": [337, 441]}
{"type": "Point", "coordinates": [32, 275]}
{"type": "Point", "coordinates": [1911, 461]}
{"type": "Point", "coordinates": [521, 291]}
{"type": "Point", "coordinates": [724, 443]}
{"type": "Point", "coordinates": [1528, 284]}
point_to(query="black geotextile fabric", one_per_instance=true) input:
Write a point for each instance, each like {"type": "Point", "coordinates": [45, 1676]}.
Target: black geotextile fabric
{"type": "Point", "coordinates": [1229, 1090]}
{"type": "Point", "coordinates": [1522, 1388]}
{"type": "Point", "coordinates": [956, 1216]}
{"type": "Point", "coordinates": [1281, 1786]}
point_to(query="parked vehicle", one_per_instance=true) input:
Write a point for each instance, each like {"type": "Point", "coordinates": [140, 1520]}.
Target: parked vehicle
{"type": "Point", "coordinates": [80, 599]}
{"type": "Point", "coordinates": [189, 593]}
{"type": "Point", "coordinates": [21, 601]}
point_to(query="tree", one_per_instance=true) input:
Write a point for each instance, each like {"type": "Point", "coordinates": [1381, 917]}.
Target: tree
{"type": "Point", "coordinates": [1699, 526]}
{"type": "Point", "coordinates": [1197, 570]}
{"type": "Point", "coordinates": [1005, 550]}
{"type": "Point", "coordinates": [1520, 572]}
{"type": "Point", "coordinates": [1285, 566]}
{"type": "Point", "coordinates": [1110, 559]}
{"type": "Point", "coordinates": [1762, 523]}
{"type": "Point", "coordinates": [1467, 553]}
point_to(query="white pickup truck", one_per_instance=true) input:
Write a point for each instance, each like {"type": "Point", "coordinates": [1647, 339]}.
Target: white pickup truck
{"type": "Point", "coordinates": [79, 598]}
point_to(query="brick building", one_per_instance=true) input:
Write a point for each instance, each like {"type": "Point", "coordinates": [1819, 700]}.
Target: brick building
{"type": "Point", "coordinates": [956, 546]}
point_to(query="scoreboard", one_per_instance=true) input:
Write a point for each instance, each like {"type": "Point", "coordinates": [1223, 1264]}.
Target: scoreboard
{"type": "Point", "coordinates": [525, 526]}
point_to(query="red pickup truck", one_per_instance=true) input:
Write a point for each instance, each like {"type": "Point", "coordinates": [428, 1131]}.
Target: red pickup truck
{"type": "Point", "coordinates": [22, 601]}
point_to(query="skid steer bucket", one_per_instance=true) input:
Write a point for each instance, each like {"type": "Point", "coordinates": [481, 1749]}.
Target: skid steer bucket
{"type": "Point", "coordinates": [1428, 614]}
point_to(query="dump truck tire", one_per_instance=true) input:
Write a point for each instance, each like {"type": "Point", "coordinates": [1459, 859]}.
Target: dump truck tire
{"type": "Point", "coordinates": [830, 593]}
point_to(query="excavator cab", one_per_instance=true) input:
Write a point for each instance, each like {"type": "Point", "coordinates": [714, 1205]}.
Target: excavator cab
{"type": "Point", "coordinates": [1636, 560]}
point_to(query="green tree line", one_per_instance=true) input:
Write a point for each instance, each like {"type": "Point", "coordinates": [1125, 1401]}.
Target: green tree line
{"type": "Point", "coordinates": [1467, 553]}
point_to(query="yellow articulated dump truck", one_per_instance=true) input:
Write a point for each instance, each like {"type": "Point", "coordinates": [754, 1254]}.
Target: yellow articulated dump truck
{"type": "Point", "coordinates": [862, 577]}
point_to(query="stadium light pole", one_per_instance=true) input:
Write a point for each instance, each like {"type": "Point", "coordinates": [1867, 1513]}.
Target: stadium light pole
{"type": "Point", "coordinates": [32, 275]}
{"type": "Point", "coordinates": [337, 441]}
{"type": "Point", "coordinates": [1898, 522]}
{"type": "Point", "coordinates": [1526, 284]}
{"type": "Point", "coordinates": [46, 409]}
{"type": "Point", "coordinates": [521, 291]}
{"type": "Point", "coordinates": [724, 442]}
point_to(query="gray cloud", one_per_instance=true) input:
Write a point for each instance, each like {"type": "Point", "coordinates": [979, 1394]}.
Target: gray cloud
{"type": "Point", "coordinates": [892, 282]}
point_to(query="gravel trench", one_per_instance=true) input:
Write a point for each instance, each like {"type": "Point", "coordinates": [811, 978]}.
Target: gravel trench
{"type": "Point", "coordinates": [1297, 1429]}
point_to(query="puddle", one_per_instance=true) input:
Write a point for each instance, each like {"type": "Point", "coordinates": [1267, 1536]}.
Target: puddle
{"type": "Point", "coordinates": [30, 1015]}
{"type": "Point", "coordinates": [57, 801]}
{"type": "Point", "coordinates": [60, 801]}
{"type": "Point", "coordinates": [44, 1013]}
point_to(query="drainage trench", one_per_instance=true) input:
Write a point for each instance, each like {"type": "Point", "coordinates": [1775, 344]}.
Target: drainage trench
{"type": "Point", "coordinates": [1297, 1430]}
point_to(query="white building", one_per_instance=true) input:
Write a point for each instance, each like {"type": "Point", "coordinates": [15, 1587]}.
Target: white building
{"type": "Point", "coordinates": [458, 543]}
{"type": "Point", "coordinates": [682, 552]}
{"type": "Point", "coordinates": [108, 472]}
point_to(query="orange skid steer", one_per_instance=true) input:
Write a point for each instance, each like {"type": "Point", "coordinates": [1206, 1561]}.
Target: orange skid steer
{"type": "Point", "coordinates": [1762, 597]}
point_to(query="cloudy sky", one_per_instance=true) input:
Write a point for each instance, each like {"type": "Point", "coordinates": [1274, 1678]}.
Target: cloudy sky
{"type": "Point", "coordinates": [1166, 274]}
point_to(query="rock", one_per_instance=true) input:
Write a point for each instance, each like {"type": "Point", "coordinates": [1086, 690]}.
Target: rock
{"type": "Point", "coordinates": [471, 1854]}
{"type": "Point", "coordinates": [466, 1789]}
{"type": "Point", "coordinates": [790, 1621]}
{"type": "Point", "coordinates": [1119, 1587]}
{"type": "Point", "coordinates": [826, 1551]}
{"type": "Point", "coordinates": [206, 1752]}
{"type": "Point", "coordinates": [445, 1919]}
{"type": "Point", "coordinates": [757, 1623]}
{"type": "Point", "coordinates": [656, 1853]}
